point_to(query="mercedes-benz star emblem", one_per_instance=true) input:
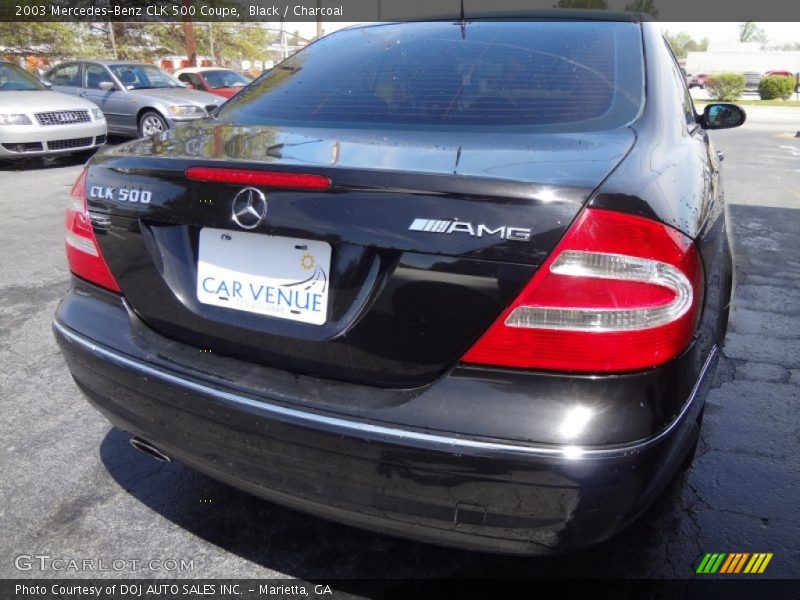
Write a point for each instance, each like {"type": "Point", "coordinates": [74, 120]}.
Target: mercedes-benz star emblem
{"type": "Point", "coordinates": [249, 208]}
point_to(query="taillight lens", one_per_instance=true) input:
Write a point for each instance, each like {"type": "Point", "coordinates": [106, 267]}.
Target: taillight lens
{"type": "Point", "coordinates": [83, 252]}
{"type": "Point", "coordinates": [276, 179]}
{"type": "Point", "coordinates": [619, 293]}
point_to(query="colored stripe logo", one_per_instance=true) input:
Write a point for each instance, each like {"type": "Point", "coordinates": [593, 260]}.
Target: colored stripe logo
{"type": "Point", "coordinates": [734, 563]}
{"type": "Point", "coordinates": [432, 225]}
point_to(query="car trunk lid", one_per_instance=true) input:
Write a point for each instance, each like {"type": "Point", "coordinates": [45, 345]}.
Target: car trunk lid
{"type": "Point", "coordinates": [423, 239]}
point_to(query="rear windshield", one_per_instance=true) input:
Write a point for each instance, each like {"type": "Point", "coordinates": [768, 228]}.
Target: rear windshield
{"type": "Point", "coordinates": [554, 76]}
{"type": "Point", "coordinates": [142, 77]}
{"type": "Point", "coordinates": [223, 79]}
{"type": "Point", "coordinates": [14, 79]}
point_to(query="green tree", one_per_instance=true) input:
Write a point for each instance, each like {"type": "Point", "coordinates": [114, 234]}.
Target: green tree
{"type": "Point", "coordinates": [749, 31]}
{"type": "Point", "coordinates": [129, 40]}
{"type": "Point", "coordinates": [234, 40]}
{"type": "Point", "coordinates": [141, 41]}
{"type": "Point", "coordinates": [56, 40]}
{"type": "Point", "coordinates": [645, 7]}
{"type": "Point", "coordinates": [146, 41]}
{"type": "Point", "coordinates": [790, 46]}
{"type": "Point", "coordinates": [683, 43]}
{"type": "Point", "coordinates": [596, 4]}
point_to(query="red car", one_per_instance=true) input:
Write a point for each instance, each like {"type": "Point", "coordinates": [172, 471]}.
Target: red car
{"type": "Point", "coordinates": [778, 74]}
{"type": "Point", "coordinates": [222, 82]}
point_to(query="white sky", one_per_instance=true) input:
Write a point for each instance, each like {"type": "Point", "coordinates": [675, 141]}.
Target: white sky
{"type": "Point", "coordinates": [729, 32]}
{"type": "Point", "coordinates": [716, 32]}
{"type": "Point", "coordinates": [309, 30]}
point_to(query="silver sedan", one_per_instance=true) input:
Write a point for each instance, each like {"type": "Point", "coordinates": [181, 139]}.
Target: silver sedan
{"type": "Point", "coordinates": [138, 99]}
{"type": "Point", "coordinates": [35, 121]}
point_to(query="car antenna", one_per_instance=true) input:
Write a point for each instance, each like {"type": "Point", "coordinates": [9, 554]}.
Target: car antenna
{"type": "Point", "coordinates": [463, 23]}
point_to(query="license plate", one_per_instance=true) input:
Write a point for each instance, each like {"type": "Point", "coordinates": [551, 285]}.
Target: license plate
{"type": "Point", "coordinates": [273, 276]}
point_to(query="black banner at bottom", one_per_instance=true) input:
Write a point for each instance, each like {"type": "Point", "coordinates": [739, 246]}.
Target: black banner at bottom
{"type": "Point", "coordinates": [292, 589]}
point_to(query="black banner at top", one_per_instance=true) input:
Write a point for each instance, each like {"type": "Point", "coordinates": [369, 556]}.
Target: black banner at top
{"type": "Point", "coordinates": [391, 10]}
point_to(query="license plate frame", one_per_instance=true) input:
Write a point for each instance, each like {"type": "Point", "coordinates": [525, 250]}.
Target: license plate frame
{"type": "Point", "coordinates": [273, 276]}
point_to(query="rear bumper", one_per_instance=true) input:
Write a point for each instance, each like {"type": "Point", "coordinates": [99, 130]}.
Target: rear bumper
{"type": "Point", "coordinates": [453, 489]}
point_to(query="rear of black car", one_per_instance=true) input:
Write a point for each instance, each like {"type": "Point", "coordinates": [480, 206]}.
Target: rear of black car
{"type": "Point", "coordinates": [394, 282]}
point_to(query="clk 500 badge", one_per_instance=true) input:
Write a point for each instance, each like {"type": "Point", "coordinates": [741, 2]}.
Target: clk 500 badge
{"type": "Point", "coordinates": [514, 234]}
{"type": "Point", "coordinates": [120, 194]}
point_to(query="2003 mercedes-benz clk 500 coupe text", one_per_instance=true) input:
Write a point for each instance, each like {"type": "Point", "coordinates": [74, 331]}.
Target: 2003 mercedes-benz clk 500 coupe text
{"type": "Point", "coordinates": [461, 282]}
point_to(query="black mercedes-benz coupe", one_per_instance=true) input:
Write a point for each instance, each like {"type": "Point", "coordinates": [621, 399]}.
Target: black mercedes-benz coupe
{"type": "Point", "coordinates": [462, 282]}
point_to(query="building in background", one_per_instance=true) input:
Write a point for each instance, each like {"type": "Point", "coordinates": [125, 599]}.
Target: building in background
{"type": "Point", "coordinates": [36, 62]}
{"type": "Point", "coordinates": [741, 58]}
{"type": "Point", "coordinates": [173, 62]}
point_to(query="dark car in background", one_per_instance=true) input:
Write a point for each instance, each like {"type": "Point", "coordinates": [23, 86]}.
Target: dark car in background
{"type": "Point", "coordinates": [138, 99]}
{"type": "Point", "coordinates": [419, 279]}
{"type": "Point", "coordinates": [751, 81]}
{"type": "Point", "coordinates": [699, 80]}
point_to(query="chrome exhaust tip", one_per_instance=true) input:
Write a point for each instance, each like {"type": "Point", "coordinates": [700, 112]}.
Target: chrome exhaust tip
{"type": "Point", "coordinates": [149, 449]}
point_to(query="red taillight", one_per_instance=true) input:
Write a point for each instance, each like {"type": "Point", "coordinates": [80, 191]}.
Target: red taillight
{"type": "Point", "coordinates": [276, 179]}
{"type": "Point", "coordinates": [83, 252]}
{"type": "Point", "coordinates": [618, 293]}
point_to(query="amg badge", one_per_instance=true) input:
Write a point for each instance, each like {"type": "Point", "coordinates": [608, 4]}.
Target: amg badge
{"type": "Point", "coordinates": [514, 234]}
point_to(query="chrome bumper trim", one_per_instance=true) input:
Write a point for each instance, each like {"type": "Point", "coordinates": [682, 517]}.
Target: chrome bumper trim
{"type": "Point", "coordinates": [435, 441]}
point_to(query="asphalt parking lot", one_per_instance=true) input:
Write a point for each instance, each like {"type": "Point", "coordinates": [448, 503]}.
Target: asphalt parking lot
{"type": "Point", "coordinates": [72, 487]}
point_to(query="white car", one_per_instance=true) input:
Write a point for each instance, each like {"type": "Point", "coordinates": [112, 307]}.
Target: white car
{"type": "Point", "coordinates": [35, 121]}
